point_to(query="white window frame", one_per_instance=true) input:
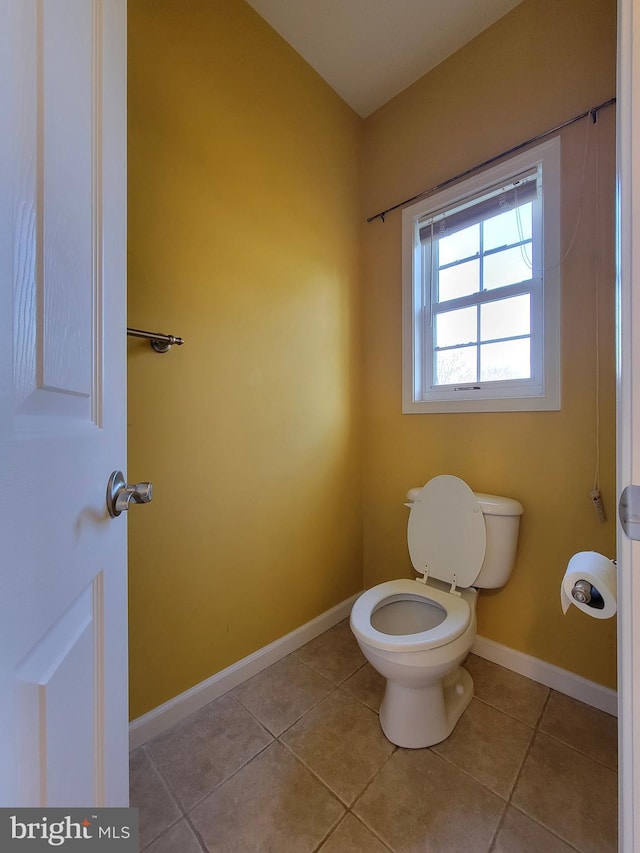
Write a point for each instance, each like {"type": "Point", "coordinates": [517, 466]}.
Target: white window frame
{"type": "Point", "coordinates": [542, 391]}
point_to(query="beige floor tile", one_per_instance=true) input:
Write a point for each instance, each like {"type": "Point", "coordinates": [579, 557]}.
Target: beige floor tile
{"type": "Point", "coordinates": [206, 748]}
{"type": "Point", "coordinates": [489, 745]}
{"type": "Point", "coordinates": [419, 803]}
{"type": "Point", "coordinates": [507, 691]}
{"type": "Point", "coordinates": [334, 654]}
{"type": "Point", "coordinates": [283, 693]}
{"type": "Point", "coordinates": [585, 728]}
{"type": "Point", "coordinates": [340, 740]}
{"type": "Point", "coordinates": [520, 834]}
{"type": "Point", "coordinates": [272, 804]}
{"type": "Point", "coordinates": [351, 836]}
{"type": "Point", "coordinates": [575, 797]}
{"type": "Point", "coordinates": [179, 839]}
{"type": "Point", "coordinates": [148, 793]}
{"type": "Point", "coordinates": [367, 685]}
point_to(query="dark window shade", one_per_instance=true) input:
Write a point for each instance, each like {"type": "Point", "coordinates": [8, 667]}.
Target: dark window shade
{"type": "Point", "coordinates": [501, 200]}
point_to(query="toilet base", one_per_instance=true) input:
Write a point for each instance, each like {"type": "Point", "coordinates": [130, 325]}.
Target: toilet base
{"type": "Point", "coordinates": [415, 717]}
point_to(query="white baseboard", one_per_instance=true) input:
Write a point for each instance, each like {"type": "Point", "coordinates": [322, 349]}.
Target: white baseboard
{"type": "Point", "coordinates": [164, 716]}
{"type": "Point", "coordinates": [552, 676]}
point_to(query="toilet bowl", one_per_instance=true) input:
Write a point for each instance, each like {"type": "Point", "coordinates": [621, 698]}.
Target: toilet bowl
{"type": "Point", "coordinates": [416, 633]}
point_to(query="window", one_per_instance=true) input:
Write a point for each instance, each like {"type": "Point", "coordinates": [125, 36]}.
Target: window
{"type": "Point", "coordinates": [481, 291]}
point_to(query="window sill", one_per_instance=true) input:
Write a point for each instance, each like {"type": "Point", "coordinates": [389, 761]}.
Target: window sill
{"type": "Point", "coordinates": [549, 403]}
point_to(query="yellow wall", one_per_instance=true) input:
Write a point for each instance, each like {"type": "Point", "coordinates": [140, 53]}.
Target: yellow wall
{"type": "Point", "coordinates": [243, 238]}
{"type": "Point", "coordinates": [541, 64]}
{"type": "Point", "coordinates": [249, 184]}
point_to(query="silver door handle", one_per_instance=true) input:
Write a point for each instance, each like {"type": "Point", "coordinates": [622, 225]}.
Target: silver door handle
{"type": "Point", "coordinates": [120, 494]}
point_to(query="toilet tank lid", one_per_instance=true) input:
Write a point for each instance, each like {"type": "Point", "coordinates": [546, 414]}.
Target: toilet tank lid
{"type": "Point", "coordinates": [497, 505]}
{"type": "Point", "coordinates": [490, 504]}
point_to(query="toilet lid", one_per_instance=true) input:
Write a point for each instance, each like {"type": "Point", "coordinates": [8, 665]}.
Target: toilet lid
{"type": "Point", "coordinates": [446, 531]}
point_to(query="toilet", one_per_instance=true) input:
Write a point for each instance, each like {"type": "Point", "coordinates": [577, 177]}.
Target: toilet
{"type": "Point", "coordinates": [416, 633]}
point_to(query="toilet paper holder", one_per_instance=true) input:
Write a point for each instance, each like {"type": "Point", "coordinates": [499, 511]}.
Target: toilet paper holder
{"type": "Point", "coordinates": [586, 593]}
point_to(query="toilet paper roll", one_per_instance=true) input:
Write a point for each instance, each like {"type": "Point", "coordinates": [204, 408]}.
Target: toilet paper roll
{"type": "Point", "coordinates": [595, 577]}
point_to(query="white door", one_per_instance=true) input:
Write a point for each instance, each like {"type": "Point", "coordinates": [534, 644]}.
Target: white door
{"type": "Point", "coordinates": [628, 306]}
{"type": "Point", "coordinates": [63, 646]}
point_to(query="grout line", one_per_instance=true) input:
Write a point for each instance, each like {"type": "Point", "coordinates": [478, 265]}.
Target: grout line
{"type": "Point", "coordinates": [224, 781]}
{"type": "Point", "coordinates": [462, 770]}
{"type": "Point", "coordinates": [329, 832]}
{"type": "Point", "coordinates": [165, 784]}
{"type": "Point", "coordinates": [262, 725]}
{"type": "Point", "coordinates": [315, 774]}
{"type": "Point", "coordinates": [578, 751]}
{"type": "Point", "coordinates": [160, 773]}
{"type": "Point", "coordinates": [570, 745]}
{"type": "Point", "coordinates": [506, 713]}
{"type": "Point", "coordinates": [351, 674]}
{"type": "Point", "coordinates": [509, 803]}
{"type": "Point", "coordinates": [358, 699]}
{"type": "Point", "coordinates": [319, 672]}
{"type": "Point", "coordinates": [340, 686]}
{"type": "Point", "coordinates": [310, 668]}
{"type": "Point", "coordinates": [370, 783]}
{"type": "Point", "coordinates": [184, 811]}
{"type": "Point", "coordinates": [546, 828]}
{"type": "Point", "coordinates": [543, 709]}
{"type": "Point", "coordinates": [164, 832]}
{"type": "Point", "coordinates": [169, 788]}
{"type": "Point", "coordinates": [509, 799]}
{"type": "Point", "coordinates": [564, 743]}
{"type": "Point", "coordinates": [199, 838]}
{"type": "Point", "coordinates": [372, 831]}
{"type": "Point", "coordinates": [308, 711]}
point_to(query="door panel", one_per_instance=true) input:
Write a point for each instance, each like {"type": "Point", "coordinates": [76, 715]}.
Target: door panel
{"type": "Point", "coordinates": [63, 617]}
{"type": "Point", "coordinates": [70, 109]}
{"type": "Point", "coordinates": [66, 662]}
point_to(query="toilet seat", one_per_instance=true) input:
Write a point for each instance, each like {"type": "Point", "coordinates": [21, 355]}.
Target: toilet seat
{"type": "Point", "coordinates": [455, 623]}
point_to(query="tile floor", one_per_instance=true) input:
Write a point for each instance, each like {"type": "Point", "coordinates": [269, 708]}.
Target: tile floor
{"type": "Point", "coordinates": [293, 761]}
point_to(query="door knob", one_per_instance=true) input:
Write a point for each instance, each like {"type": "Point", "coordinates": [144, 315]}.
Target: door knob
{"type": "Point", "coordinates": [120, 494]}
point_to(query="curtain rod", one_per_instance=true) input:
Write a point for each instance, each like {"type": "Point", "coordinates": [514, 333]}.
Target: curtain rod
{"type": "Point", "coordinates": [593, 112]}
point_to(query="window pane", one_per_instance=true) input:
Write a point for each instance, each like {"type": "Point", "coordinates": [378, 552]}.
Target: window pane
{"type": "Point", "coordinates": [460, 280]}
{"type": "Point", "coordinates": [506, 360]}
{"type": "Point", "coordinates": [508, 267]}
{"type": "Point", "coordinates": [455, 366]}
{"type": "Point", "coordinates": [457, 327]}
{"type": "Point", "coordinates": [461, 244]}
{"type": "Point", "coordinates": [508, 228]}
{"type": "Point", "coordinates": [505, 318]}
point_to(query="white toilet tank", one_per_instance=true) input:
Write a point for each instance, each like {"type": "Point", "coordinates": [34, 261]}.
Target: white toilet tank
{"type": "Point", "coordinates": [502, 521]}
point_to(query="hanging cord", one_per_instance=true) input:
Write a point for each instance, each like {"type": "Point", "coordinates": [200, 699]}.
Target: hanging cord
{"type": "Point", "coordinates": [523, 251]}
{"type": "Point", "coordinates": [595, 492]}
{"type": "Point", "coordinates": [596, 476]}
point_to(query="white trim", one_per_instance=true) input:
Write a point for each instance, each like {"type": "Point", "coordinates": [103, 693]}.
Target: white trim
{"type": "Point", "coordinates": [542, 391]}
{"type": "Point", "coordinates": [164, 716]}
{"type": "Point", "coordinates": [552, 676]}
{"type": "Point", "coordinates": [628, 416]}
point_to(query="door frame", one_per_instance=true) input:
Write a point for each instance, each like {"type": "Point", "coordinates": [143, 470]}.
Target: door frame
{"type": "Point", "coordinates": [628, 416]}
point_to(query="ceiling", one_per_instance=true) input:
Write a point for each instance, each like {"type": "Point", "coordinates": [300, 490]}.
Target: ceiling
{"type": "Point", "coordinates": [369, 50]}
